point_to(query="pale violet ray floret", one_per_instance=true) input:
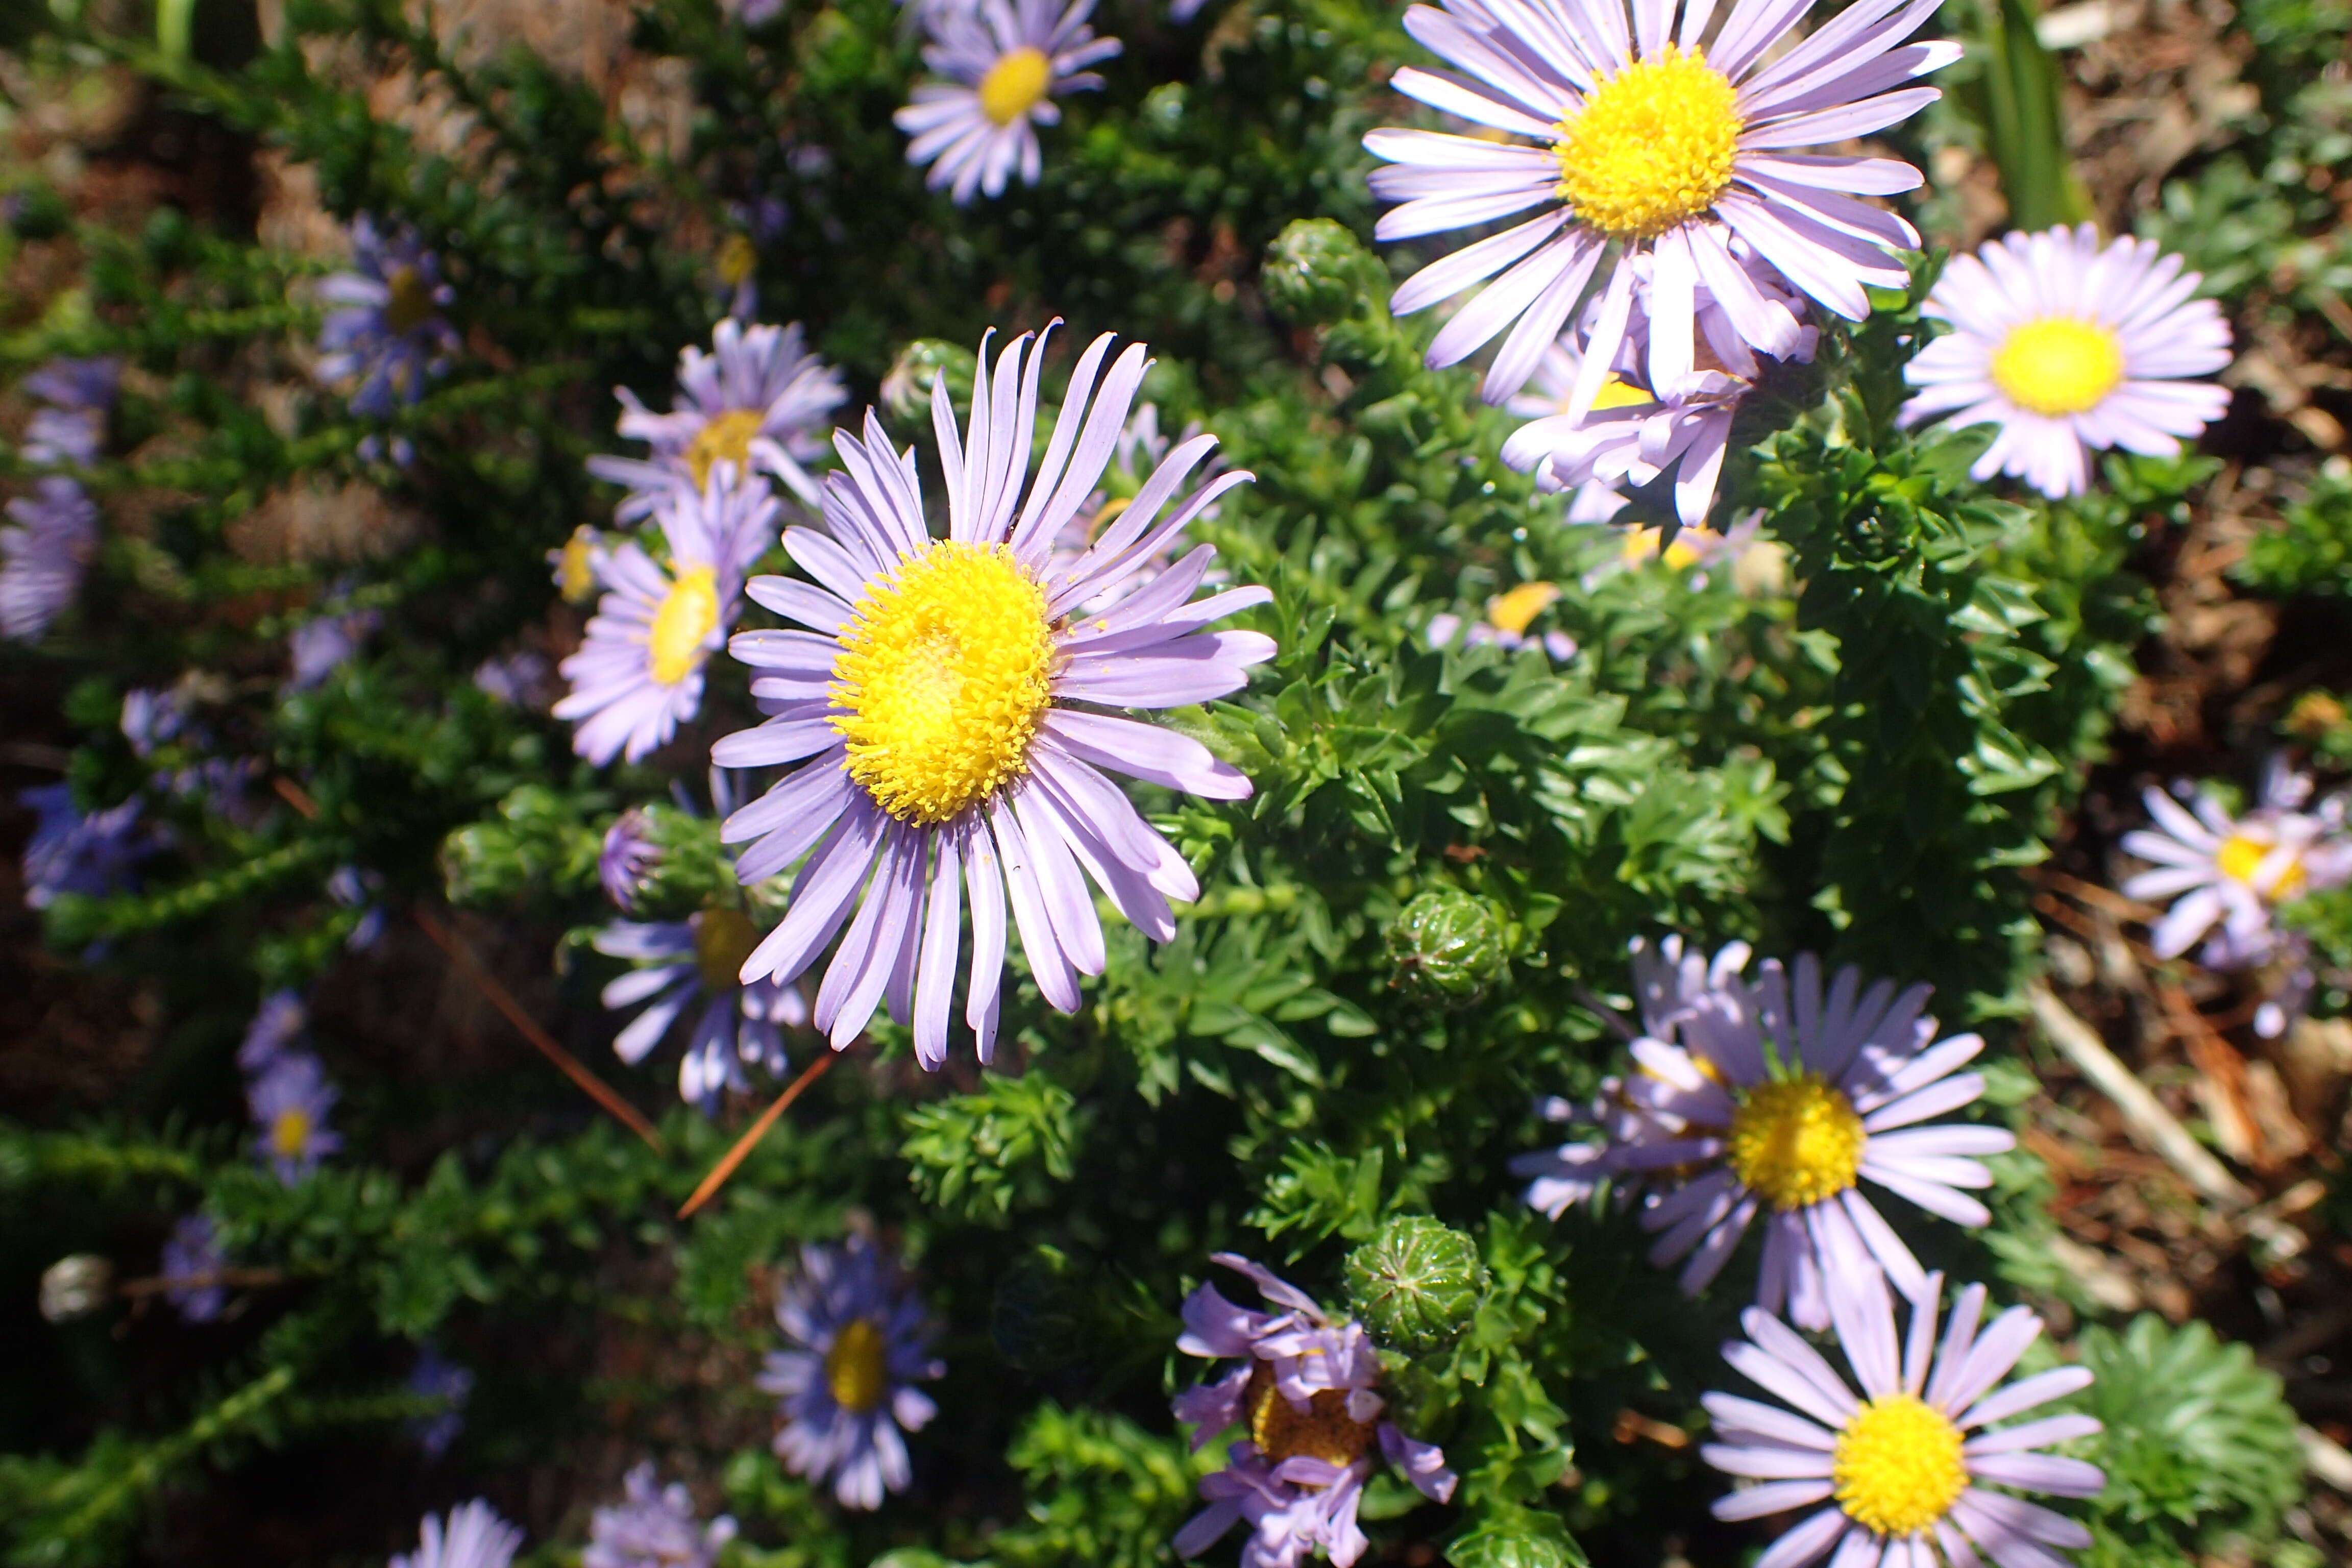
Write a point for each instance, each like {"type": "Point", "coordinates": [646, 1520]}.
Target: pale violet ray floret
{"type": "Point", "coordinates": [758, 398]}
{"type": "Point", "coordinates": [858, 1340]}
{"type": "Point", "coordinates": [1003, 61]}
{"type": "Point", "coordinates": [49, 543]}
{"type": "Point", "coordinates": [1773, 1102]}
{"type": "Point", "coordinates": [2068, 346]}
{"type": "Point", "coordinates": [654, 1526]}
{"type": "Point", "coordinates": [1673, 141]}
{"type": "Point", "coordinates": [474, 1537]}
{"type": "Point", "coordinates": [945, 705]}
{"type": "Point", "coordinates": [1906, 1454]}
{"type": "Point", "coordinates": [638, 673]}
{"type": "Point", "coordinates": [2229, 872]}
{"type": "Point", "coordinates": [687, 970]}
{"type": "Point", "coordinates": [386, 328]}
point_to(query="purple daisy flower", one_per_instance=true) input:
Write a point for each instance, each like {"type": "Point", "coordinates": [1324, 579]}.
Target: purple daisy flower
{"type": "Point", "coordinates": [192, 1267]}
{"type": "Point", "coordinates": [758, 400]}
{"type": "Point", "coordinates": [579, 562]}
{"type": "Point", "coordinates": [655, 1527]}
{"type": "Point", "coordinates": [934, 694]}
{"type": "Point", "coordinates": [1004, 60]}
{"type": "Point", "coordinates": [435, 1376]}
{"type": "Point", "coordinates": [1774, 1100]}
{"type": "Point", "coordinates": [276, 1024]}
{"type": "Point", "coordinates": [476, 1537]}
{"type": "Point", "coordinates": [1655, 411]}
{"type": "Point", "coordinates": [518, 680]}
{"type": "Point", "coordinates": [2230, 872]}
{"type": "Point", "coordinates": [73, 853]}
{"type": "Point", "coordinates": [1668, 143]}
{"type": "Point", "coordinates": [152, 719]}
{"type": "Point", "coordinates": [1905, 1481]}
{"type": "Point", "coordinates": [2067, 345]}
{"type": "Point", "coordinates": [78, 393]}
{"type": "Point", "coordinates": [387, 329]}
{"type": "Point", "coordinates": [290, 1101]}
{"type": "Point", "coordinates": [362, 890]}
{"type": "Point", "coordinates": [860, 1342]}
{"type": "Point", "coordinates": [43, 555]}
{"type": "Point", "coordinates": [324, 643]}
{"type": "Point", "coordinates": [638, 673]}
{"type": "Point", "coordinates": [740, 1024]}
{"type": "Point", "coordinates": [629, 856]}
{"type": "Point", "coordinates": [1306, 1390]}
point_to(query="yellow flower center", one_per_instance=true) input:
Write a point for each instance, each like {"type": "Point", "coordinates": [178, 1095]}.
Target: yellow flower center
{"type": "Point", "coordinates": [855, 1372]}
{"type": "Point", "coordinates": [578, 567]}
{"type": "Point", "coordinates": [1014, 84]}
{"type": "Point", "coordinates": [1511, 612]}
{"type": "Point", "coordinates": [725, 438]}
{"type": "Point", "coordinates": [1796, 1141]}
{"type": "Point", "coordinates": [2240, 856]}
{"type": "Point", "coordinates": [1897, 1466]}
{"type": "Point", "coordinates": [723, 939]}
{"type": "Point", "coordinates": [1324, 1430]}
{"type": "Point", "coordinates": [2058, 365]}
{"type": "Point", "coordinates": [1642, 544]}
{"type": "Point", "coordinates": [410, 304]}
{"type": "Point", "coordinates": [737, 256]}
{"type": "Point", "coordinates": [1651, 147]}
{"type": "Point", "coordinates": [687, 616]}
{"type": "Point", "coordinates": [945, 671]}
{"type": "Point", "coordinates": [1618, 393]}
{"type": "Point", "coordinates": [289, 1133]}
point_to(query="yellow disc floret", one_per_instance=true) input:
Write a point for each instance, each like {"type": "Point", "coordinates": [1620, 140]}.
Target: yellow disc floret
{"type": "Point", "coordinates": [855, 1370]}
{"type": "Point", "coordinates": [576, 567]}
{"type": "Point", "coordinates": [726, 439]}
{"type": "Point", "coordinates": [1324, 1430]}
{"type": "Point", "coordinates": [684, 620]}
{"type": "Point", "coordinates": [2240, 856]}
{"type": "Point", "coordinates": [1897, 1467]}
{"type": "Point", "coordinates": [290, 1133]}
{"type": "Point", "coordinates": [1651, 147]}
{"type": "Point", "coordinates": [1014, 84]}
{"type": "Point", "coordinates": [723, 939]}
{"type": "Point", "coordinates": [409, 302]}
{"type": "Point", "coordinates": [1511, 612]}
{"type": "Point", "coordinates": [944, 673]}
{"type": "Point", "coordinates": [2058, 365]}
{"type": "Point", "coordinates": [1796, 1141]}
{"type": "Point", "coordinates": [1643, 544]}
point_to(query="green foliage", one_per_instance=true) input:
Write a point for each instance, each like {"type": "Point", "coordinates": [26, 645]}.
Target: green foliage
{"type": "Point", "coordinates": [979, 1154]}
{"type": "Point", "coordinates": [2312, 553]}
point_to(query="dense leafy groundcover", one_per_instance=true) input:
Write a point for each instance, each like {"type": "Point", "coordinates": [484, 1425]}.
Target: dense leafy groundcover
{"type": "Point", "coordinates": [317, 644]}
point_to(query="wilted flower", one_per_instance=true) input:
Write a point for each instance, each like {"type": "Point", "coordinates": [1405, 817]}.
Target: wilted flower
{"type": "Point", "coordinates": [1004, 60]}
{"type": "Point", "coordinates": [1902, 1475]}
{"type": "Point", "coordinates": [655, 1527]}
{"type": "Point", "coordinates": [387, 327]}
{"type": "Point", "coordinates": [1671, 145]}
{"type": "Point", "coordinates": [435, 1376]}
{"type": "Point", "coordinates": [638, 674]}
{"type": "Point", "coordinates": [1779, 1101]}
{"type": "Point", "coordinates": [76, 394]}
{"type": "Point", "coordinates": [758, 401]}
{"type": "Point", "coordinates": [43, 555]}
{"type": "Point", "coordinates": [73, 853]}
{"type": "Point", "coordinates": [860, 1342]}
{"type": "Point", "coordinates": [475, 1538]}
{"type": "Point", "coordinates": [192, 1267]}
{"type": "Point", "coordinates": [2068, 346]}
{"type": "Point", "coordinates": [1000, 786]}
{"type": "Point", "coordinates": [290, 1101]}
{"type": "Point", "coordinates": [738, 1024]}
{"type": "Point", "coordinates": [1306, 1390]}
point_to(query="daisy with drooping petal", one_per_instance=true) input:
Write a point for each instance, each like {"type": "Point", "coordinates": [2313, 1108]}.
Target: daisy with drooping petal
{"type": "Point", "coordinates": [861, 1340]}
{"type": "Point", "coordinates": [628, 854]}
{"type": "Point", "coordinates": [387, 328]}
{"type": "Point", "coordinates": [72, 851]}
{"type": "Point", "coordinates": [1141, 449]}
{"type": "Point", "coordinates": [638, 674]}
{"type": "Point", "coordinates": [2068, 346]}
{"type": "Point", "coordinates": [757, 400]}
{"type": "Point", "coordinates": [936, 695]}
{"type": "Point", "coordinates": [740, 1024]}
{"type": "Point", "coordinates": [1004, 60]}
{"type": "Point", "coordinates": [1776, 1101]}
{"type": "Point", "coordinates": [1306, 1390]}
{"type": "Point", "coordinates": [276, 1024]}
{"type": "Point", "coordinates": [1907, 1465]}
{"type": "Point", "coordinates": [43, 555]}
{"type": "Point", "coordinates": [1655, 411]}
{"type": "Point", "coordinates": [289, 1099]}
{"type": "Point", "coordinates": [476, 1537]}
{"type": "Point", "coordinates": [1668, 141]}
{"type": "Point", "coordinates": [655, 1527]}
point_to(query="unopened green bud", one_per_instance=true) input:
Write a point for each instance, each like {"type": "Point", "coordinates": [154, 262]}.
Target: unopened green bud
{"type": "Point", "coordinates": [1448, 948]}
{"type": "Point", "coordinates": [1316, 271]}
{"type": "Point", "coordinates": [1415, 1284]}
{"type": "Point", "coordinates": [907, 389]}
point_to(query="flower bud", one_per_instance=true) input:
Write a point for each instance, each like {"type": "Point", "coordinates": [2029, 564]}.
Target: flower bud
{"type": "Point", "coordinates": [1316, 271]}
{"type": "Point", "coordinates": [1415, 1284]}
{"type": "Point", "coordinates": [906, 389]}
{"type": "Point", "coordinates": [1448, 947]}
{"type": "Point", "coordinates": [75, 1287]}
